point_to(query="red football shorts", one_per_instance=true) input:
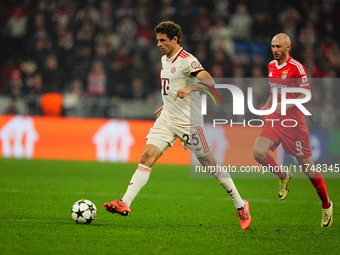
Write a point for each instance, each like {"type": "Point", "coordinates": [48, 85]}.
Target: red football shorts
{"type": "Point", "coordinates": [295, 140]}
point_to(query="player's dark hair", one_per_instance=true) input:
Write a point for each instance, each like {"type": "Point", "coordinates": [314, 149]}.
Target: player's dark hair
{"type": "Point", "coordinates": [169, 28]}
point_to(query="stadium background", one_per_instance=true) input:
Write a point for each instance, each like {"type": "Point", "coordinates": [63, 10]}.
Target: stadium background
{"type": "Point", "coordinates": [98, 59]}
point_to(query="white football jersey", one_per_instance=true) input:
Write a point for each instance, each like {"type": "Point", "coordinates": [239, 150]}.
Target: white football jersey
{"type": "Point", "coordinates": [175, 75]}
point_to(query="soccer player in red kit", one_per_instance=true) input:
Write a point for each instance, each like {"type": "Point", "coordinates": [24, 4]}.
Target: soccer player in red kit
{"type": "Point", "coordinates": [284, 72]}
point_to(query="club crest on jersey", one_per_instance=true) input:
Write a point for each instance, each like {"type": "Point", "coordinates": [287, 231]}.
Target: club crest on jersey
{"type": "Point", "coordinates": [284, 74]}
{"type": "Point", "coordinates": [173, 69]}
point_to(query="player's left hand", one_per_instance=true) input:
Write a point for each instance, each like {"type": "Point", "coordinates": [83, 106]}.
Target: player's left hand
{"type": "Point", "coordinates": [181, 93]}
{"type": "Point", "coordinates": [158, 112]}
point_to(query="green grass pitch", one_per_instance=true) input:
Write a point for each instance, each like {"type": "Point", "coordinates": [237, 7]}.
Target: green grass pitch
{"type": "Point", "coordinates": [173, 214]}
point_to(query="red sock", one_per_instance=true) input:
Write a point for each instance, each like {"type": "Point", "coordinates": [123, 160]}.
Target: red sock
{"type": "Point", "coordinates": [273, 166]}
{"type": "Point", "coordinates": [320, 187]}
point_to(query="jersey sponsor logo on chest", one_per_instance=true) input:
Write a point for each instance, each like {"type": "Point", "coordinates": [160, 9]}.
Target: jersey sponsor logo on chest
{"type": "Point", "coordinates": [277, 85]}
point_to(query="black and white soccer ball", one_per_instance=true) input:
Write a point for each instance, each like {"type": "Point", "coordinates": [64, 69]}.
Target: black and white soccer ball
{"type": "Point", "coordinates": [84, 211]}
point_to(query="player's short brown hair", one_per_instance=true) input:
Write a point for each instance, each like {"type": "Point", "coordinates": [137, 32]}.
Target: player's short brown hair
{"type": "Point", "coordinates": [169, 28]}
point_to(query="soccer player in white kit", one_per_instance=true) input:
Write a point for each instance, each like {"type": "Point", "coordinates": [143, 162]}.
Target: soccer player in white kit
{"type": "Point", "coordinates": [179, 117]}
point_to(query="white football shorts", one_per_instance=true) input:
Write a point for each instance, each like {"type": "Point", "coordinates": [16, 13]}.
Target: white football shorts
{"type": "Point", "coordinates": [163, 134]}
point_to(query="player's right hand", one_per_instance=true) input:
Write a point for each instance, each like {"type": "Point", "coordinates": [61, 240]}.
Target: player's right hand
{"type": "Point", "coordinates": [181, 93]}
{"type": "Point", "coordinates": [158, 112]}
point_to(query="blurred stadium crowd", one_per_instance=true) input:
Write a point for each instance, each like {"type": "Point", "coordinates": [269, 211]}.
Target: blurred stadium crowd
{"type": "Point", "coordinates": [98, 54]}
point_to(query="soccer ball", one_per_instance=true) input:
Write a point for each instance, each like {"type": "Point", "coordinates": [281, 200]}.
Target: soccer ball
{"type": "Point", "coordinates": [84, 211]}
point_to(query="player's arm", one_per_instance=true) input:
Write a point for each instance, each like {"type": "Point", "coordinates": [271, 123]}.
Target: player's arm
{"type": "Point", "coordinates": [267, 104]}
{"type": "Point", "coordinates": [278, 108]}
{"type": "Point", "coordinates": [205, 79]}
{"type": "Point", "coordinates": [302, 82]}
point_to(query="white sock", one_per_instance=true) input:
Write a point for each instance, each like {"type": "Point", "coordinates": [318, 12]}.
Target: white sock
{"type": "Point", "coordinates": [138, 180]}
{"type": "Point", "coordinates": [227, 183]}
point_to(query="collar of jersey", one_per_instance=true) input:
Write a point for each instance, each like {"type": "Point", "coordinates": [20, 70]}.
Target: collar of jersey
{"type": "Point", "coordinates": [284, 64]}
{"type": "Point", "coordinates": [174, 57]}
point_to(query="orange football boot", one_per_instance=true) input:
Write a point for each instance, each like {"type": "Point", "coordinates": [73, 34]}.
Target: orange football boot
{"type": "Point", "coordinates": [117, 206]}
{"type": "Point", "coordinates": [244, 215]}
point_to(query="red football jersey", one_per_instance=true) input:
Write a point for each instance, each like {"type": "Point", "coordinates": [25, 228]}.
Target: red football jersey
{"type": "Point", "coordinates": [289, 74]}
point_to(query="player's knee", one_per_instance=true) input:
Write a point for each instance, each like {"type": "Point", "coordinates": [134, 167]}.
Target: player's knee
{"type": "Point", "coordinates": [150, 155]}
{"type": "Point", "coordinates": [146, 158]}
{"type": "Point", "coordinates": [259, 154]}
{"type": "Point", "coordinates": [207, 160]}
